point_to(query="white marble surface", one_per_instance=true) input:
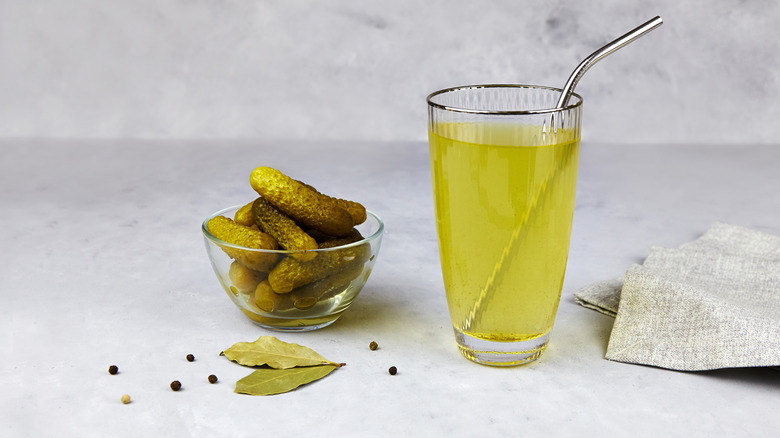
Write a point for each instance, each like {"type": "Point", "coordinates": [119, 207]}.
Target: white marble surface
{"type": "Point", "coordinates": [361, 69]}
{"type": "Point", "coordinates": [103, 263]}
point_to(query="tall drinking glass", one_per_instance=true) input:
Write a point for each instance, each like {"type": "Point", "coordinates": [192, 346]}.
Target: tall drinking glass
{"type": "Point", "coordinates": [504, 167]}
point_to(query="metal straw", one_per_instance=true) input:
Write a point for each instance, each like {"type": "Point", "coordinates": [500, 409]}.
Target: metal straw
{"type": "Point", "coordinates": [601, 53]}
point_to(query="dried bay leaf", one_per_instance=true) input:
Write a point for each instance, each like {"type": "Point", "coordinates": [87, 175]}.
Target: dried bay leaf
{"type": "Point", "coordinates": [270, 381]}
{"type": "Point", "coordinates": [267, 350]}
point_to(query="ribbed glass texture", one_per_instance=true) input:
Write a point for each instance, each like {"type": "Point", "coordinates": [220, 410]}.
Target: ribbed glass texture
{"type": "Point", "coordinates": [522, 105]}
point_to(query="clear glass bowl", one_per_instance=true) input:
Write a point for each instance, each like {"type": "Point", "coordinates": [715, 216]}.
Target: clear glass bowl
{"type": "Point", "coordinates": [321, 288]}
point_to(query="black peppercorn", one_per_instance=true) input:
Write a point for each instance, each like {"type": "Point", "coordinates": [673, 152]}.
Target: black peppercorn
{"type": "Point", "coordinates": [190, 358]}
{"type": "Point", "coordinates": [113, 370]}
{"type": "Point", "coordinates": [392, 371]}
{"type": "Point", "coordinates": [175, 385]}
{"type": "Point", "coordinates": [373, 345]}
{"type": "Point", "coordinates": [212, 379]}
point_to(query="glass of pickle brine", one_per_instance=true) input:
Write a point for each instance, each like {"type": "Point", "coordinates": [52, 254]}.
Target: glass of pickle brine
{"type": "Point", "coordinates": [295, 290]}
{"type": "Point", "coordinates": [504, 170]}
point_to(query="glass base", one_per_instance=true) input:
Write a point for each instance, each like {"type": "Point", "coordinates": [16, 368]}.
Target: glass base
{"type": "Point", "coordinates": [297, 328]}
{"type": "Point", "coordinates": [292, 324]}
{"type": "Point", "coordinates": [497, 353]}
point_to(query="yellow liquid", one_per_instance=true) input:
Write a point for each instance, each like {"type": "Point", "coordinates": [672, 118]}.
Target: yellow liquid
{"type": "Point", "coordinates": [503, 214]}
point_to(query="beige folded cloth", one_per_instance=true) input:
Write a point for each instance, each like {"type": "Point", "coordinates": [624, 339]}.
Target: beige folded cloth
{"type": "Point", "coordinates": [712, 303]}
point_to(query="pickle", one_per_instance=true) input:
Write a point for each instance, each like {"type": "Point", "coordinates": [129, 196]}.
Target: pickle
{"type": "Point", "coordinates": [318, 235]}
{"type": "Point", "coordinates": [250, 301]}
{"type": "Point", "coordinates": [266, 299]}
{"type": "Point", "coordinates": [353, 236]}
{"type": "Point", "coordinates": [331, 241]}
{"type": "Point", "coordinates": [286, 232]}
{"type": "Point", "coordinates": [355, 209]}
{"type": "Point", "coordinates": [326, 287]}
{"type": "Point", "coordinates": [244, 215]}
{"type": "Point", "coordinates": [244, 279]}
{"type": "Point", "coordinates": [289, 273]}
{"type": "Point", "coordinates": [304, 205]}
{"type": "Point", "coordinates": [226, 230]}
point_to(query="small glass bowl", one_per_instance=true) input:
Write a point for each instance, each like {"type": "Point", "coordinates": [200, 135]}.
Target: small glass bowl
{"type": "Point", "coordinates": [333, 278]}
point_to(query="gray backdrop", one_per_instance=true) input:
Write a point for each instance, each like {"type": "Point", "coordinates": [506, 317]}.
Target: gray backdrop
{"type": "Point", "coordinates": [341, 69]}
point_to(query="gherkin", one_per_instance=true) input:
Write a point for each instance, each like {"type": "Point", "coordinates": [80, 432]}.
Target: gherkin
{"type": "Point", "coordinates": [289, 273]}
{"type": "Point", "coordinates": [244, 215]}
{"type": "Point", "coordinates": [304, 205]}
{"type": "Point", "coordinates": [322, 289]}
{"type": "Point", "coordinates": [266, 299]}
{"type": "Point", "coordinates": [245, 280]}
{"type": "Point", "coordinates": [226, 230]}
{"type": "Point", "coordinates": [355, 209]}
{"type": "Point", "coordinates": [286, 232]}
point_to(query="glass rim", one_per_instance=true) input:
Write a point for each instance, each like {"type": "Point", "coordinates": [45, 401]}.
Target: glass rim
{"type": "Point", "coordinates": [570, 105]}
{"type": "Point", "coordinates": [220, 242]}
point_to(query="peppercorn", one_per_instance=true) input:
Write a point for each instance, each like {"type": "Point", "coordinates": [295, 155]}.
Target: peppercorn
{"type": "Point", "coordinates": [392, 371]}
{"type": "Point", "coordinates": [113, 370]}
{"type": "Point", "coordinates": [190, 358]}
{"type": "Point", "coordinates": [373, 346]}
{"type": "Point", "coordinates": [125, 399]}
{"type": "Point", "coordinates": [212, 379]}
{"type": "Point", "coordinates": [175, 385]}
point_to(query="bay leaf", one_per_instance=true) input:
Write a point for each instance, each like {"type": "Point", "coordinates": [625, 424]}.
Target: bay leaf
{"type": "Point", "coordinates": [267, 350]}
{"type": "Point", "coordinates": [267, 381]}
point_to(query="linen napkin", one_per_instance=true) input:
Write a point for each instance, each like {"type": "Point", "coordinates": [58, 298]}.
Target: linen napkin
{"type": "Point", "coordinates": [712, 303]}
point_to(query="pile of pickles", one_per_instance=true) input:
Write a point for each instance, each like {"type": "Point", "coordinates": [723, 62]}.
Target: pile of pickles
{"type": "Point", "coordinates": [292, 247]}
